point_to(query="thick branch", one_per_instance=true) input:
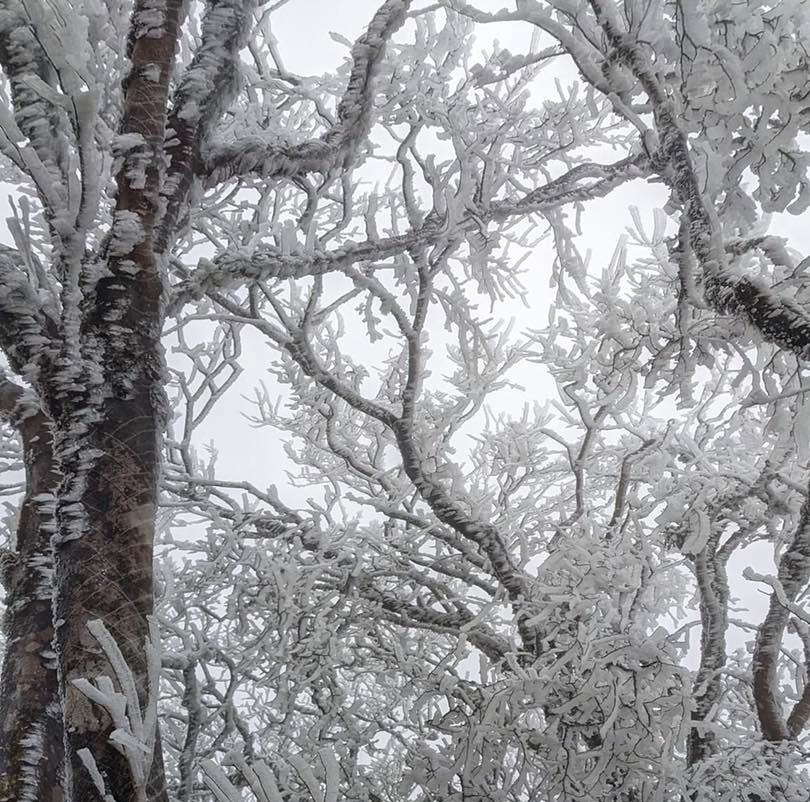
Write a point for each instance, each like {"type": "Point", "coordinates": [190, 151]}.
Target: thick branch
{"type": "Point", "coordinates": [484, 535]}
{"type": "Point", "coordinates": [204, 92]}
{"type": "Point", "coordinates": [31, 747]}
{"type": "Point", "coordinates": [793, 574]}
{"type": "Point", "coordinates": [712, 583]}
{"type": "Point", "coordinates": [800, 714]}
{"type": "Point", "coordinates": [338, 147]}
{"type": "Point", "coordinates": [778, 320]}
{"type": "Point", "coordinates": [411, 615]}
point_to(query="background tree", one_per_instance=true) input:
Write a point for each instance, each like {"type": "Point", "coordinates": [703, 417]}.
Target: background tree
{"type": "Point", "coordinates": [448, 598]}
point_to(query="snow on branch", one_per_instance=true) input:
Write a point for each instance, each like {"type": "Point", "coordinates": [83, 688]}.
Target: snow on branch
{"type": "Point", "coordinates": [263, 782]}
{"type": "Point", "coordinates": [270, 158]}
{"type": "Point", "coordinates": [234, 267]}
{"type": "Point", "coordinates": [204, 92]}
{"type": "Point", "coordinates": [568, 188]}
{"type": "Point", "coordinates": [26, 65]}
{"type": "Point", "coordinates": [442, 503]}
{"type": "Point", "coordinates": [26, 330]}
{"type": "Point", "coordinates": [421, 617]}
{"type": "Point", "coordinates": [778, 320]}
{"type": "Point", "coordinates": [135, 730]}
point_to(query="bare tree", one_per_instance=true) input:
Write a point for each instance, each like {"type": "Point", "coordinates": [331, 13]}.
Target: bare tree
{"type": "Point", "coordinates": [470, 604]}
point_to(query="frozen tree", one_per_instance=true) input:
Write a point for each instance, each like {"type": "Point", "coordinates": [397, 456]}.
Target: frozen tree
{"type": "Point", "coordinates": [445, 600]}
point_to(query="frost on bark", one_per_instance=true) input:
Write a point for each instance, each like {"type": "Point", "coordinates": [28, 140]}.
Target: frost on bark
{"type": "Point", "coordinates": [109, 422]}
{"type": "Point", "coordinates": [86, 330]}
{"type": "Point", "coordinates": [31, 744]}
{"type": "Point", "coordinates": [794, 571]}
{"type": "Point", "coordinates": [534, 550]}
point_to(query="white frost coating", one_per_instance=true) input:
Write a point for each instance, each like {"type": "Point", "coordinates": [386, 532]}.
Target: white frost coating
{"type": "Point", "coordinates": [305, 773]}
{"type": "Point", "coordinates": [259, 777]}
{"type": "Point", "coordinates": [151, 72]}
{"type": "Point", "coordinates": [190, 111]}
{"type": "Point", "coordinates": [31, 746]}
{"type": "Point", "coordinates": [134, 730]}
{"type": "Point", "coordinates": [42, 564]}
{"type": "Point", "coordinates": [126, 142]}
{"type": "Point", "coordinates": [263, 783]}
{"type": "Point", "coordinates": [219, 784]}
{"type": "Point", "coordinates": [127, 233]}
{"type": "Point", "coordinates": [149, 22]}
{"type": "Point", "coordinates": [89, 763]}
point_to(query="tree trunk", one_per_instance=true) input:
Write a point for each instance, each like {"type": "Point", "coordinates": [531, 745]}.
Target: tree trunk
{"type": "Point", "coordinates": [31, 741]}
{"type": "Point", "coordinates": [110, 421]}
{"type": "Point", "coordinates": [106, 574]}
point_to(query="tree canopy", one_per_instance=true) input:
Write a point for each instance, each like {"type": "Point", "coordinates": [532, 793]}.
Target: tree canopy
{"type": "Point", "coordinates": [525, 354]}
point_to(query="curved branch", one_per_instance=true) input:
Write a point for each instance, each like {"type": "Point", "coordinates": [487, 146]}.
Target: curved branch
{"type": "Point", "coordinates": [204, 92]}
{"type": "Point", "coordinates": [26, 64]}
{"type": "Point", "coordinates": [779, 320]}
{"type": "Point", "coordinates": [270, 158]}
{"type": "Point", "coordinates": [800, 714]}
{"type": "Point", "coordinates": [793, 574]}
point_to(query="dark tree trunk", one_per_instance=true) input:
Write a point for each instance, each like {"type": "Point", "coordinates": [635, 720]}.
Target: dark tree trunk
{"type": "Point", "coordinates": [794, 570]}
{"type": "Point", "coordinates": [106, 574]}
{"type": "Point", "coordinates": [110, 423]}
{"type": "Point", "coordinates": [31, 741]}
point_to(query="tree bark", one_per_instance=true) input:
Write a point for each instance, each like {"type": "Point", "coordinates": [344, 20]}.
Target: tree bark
{"type": "Point", "coordinates": [712, 584]}
{"type": "Point", "coordinates": [794, 571]}
{"type": "Point", "coordinates": [110, 422]}
{"type": "Point", "coordinates": [31, 742]}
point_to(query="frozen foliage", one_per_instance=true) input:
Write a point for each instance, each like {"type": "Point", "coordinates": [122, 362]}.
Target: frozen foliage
{"type": "Point", "coordinates": [502, 556]}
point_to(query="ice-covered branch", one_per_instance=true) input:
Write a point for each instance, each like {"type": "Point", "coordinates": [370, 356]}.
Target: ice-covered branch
{"type": "Point", "coordinates": [26, 66]}
{"type": "Point", "coordinates": [26, 329]}
{"type": "Point", "coordinates": [793, 574]}
{"type": "Point", "coordinates": [484, 535]}
{"type": "Point", "coordinates": [779, 320]}
{"type": "Point", "coordinates": [421, 617]}
{"type": "Point", "coordinates": [135, 730]}
{"type": "Point", "coordinates": [266, 787]}
{"type": "Point", "coordinates": [712, 583]}
{"type": "Point", "coordinates": [571, 187]}
{"type": "Point", "coordinates": [233, 267]}
{"type": "Point", "coordinates": [270, 158]}
{"type": "Point", "coordinates": [202, 95]}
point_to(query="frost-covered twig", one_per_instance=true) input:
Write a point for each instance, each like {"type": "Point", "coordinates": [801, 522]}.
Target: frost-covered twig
{"type": "Point", "coordinates": [135, 730]}
{"type": "Point", "coordinates": [233, 268]}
